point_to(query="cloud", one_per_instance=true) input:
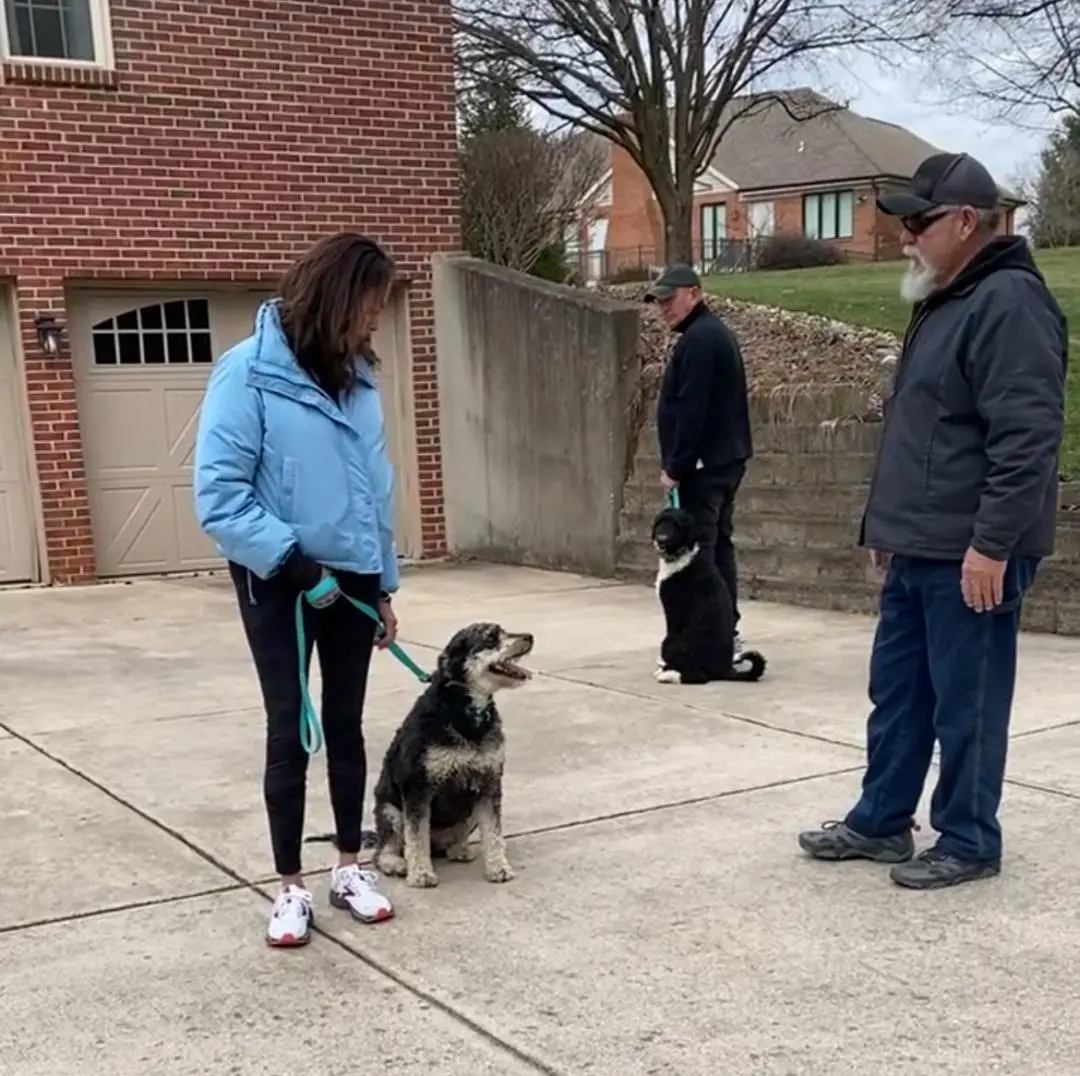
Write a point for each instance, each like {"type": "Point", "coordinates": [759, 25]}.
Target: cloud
{"type": "Point", "coordinates": [900, 97]}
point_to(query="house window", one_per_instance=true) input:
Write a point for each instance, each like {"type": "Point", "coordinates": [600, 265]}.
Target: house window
{"type": "Point", "coordinates": [830, 215]}
{"type": "Point", "coordinates": [74, 31]}
{"type": "Point", "coordinates": [176, 333]}
{"type": "Point", "coordinates": [713, 231]}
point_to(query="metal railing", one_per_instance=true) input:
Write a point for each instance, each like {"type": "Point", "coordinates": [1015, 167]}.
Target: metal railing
{"type": "Point", "coordinates": [711, 258]}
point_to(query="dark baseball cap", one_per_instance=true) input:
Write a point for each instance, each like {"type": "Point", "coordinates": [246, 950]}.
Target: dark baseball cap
{"type": "Point", "coordinates": [951, 179]}
{"type": "Point", "coordinates": [670, 280]}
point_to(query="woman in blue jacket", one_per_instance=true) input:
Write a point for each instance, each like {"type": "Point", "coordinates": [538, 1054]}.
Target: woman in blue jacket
{"type": "Point", "coordinates": [294, 484]}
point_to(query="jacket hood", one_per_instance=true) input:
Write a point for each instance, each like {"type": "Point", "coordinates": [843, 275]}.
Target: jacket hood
{"type": "Point", "coordinates": [272, 356]}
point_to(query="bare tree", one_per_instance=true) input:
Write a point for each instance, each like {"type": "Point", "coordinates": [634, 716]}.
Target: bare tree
{"type": "Point", "coordinates": [1017, 60]}
{"type": "Point", "coordinates": [665, 79]}
{"type": "Point", "coordinates": [522, 189]}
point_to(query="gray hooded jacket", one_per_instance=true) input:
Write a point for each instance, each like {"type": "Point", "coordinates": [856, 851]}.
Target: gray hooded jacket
{"type": "Point", "coordinates": [972, 429]}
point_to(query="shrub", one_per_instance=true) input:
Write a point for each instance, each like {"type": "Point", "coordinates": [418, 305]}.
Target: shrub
{"type": "Point", "coordinates": [551, 264]}
{"type": "Point", "coordinates": [797, 252]}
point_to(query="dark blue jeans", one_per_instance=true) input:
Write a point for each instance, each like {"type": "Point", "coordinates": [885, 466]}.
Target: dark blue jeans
{"type": "Point", "coordinates": [941, 671]}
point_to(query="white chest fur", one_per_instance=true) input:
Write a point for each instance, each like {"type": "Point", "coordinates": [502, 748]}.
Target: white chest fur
{"type": "Point", "coordinates": [668, 568]}
{"type": "Point", "coordinates": [450, 763]}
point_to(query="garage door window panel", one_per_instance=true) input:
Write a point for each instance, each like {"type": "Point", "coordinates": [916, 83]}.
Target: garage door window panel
{"type": "Point", "coordinates": [173, 333]}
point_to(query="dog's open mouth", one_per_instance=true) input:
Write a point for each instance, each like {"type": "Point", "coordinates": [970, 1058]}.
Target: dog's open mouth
{"type": "Point", "coordinates": [510, 670]}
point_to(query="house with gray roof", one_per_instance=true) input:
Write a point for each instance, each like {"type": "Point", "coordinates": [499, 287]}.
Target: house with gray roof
{"type": "Point", "coordinates": [791, 163]}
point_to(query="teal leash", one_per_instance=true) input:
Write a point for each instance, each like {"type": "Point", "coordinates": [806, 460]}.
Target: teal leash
{"type": "Point", "coordinates": [673, 496]}
{"type": "Point", "coordinates": [311, 733]}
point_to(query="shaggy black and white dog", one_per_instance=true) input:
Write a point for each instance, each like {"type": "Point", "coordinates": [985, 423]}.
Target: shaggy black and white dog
{"type": "Point", "coordinates": [699, 641]}
{"type": "Point", "coordinates": [442, 774]}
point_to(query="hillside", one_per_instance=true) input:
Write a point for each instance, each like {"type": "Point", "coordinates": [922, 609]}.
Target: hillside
{"type": "Point", "coordinates": [869, 295]}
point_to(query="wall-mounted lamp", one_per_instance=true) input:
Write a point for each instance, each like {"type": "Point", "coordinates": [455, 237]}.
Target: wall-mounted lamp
{"type": "Point", "coordinates": [49, 332]}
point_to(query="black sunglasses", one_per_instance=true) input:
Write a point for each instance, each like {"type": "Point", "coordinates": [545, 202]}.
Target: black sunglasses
{"type": "Point", "coordinates": [918, 225]}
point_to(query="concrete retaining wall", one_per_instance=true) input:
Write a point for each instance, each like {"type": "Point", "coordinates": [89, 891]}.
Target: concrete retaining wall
{"type": "Point", "coordinates": [797, 517]}
{"type": "Point", "coordinates": [534, 383]}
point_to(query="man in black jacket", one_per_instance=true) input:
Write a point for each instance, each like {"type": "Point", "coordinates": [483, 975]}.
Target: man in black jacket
{"type": "Point", "coordinates": [961, 509]}
{"type": "Point", "coordinates": [703, 417]}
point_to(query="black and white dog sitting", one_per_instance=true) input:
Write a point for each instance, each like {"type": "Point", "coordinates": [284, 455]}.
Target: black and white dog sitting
{"type": "Point", "coordinates": [699, 641]}
{"type": "Point", "coordinates": [442, 774]}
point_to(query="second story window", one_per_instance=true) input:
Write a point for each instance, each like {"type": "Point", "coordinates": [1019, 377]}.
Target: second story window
{"type": "Point", "coordinates": [71, 31]}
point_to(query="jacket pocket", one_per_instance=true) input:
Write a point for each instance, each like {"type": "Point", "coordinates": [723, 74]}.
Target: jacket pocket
{"type": "Point", "coordinates": [316, 493]}
{"type": "Point", "coordinates": [289, 470]}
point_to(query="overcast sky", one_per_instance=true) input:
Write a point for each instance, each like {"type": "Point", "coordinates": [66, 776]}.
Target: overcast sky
{"type": "Point", "coordinates": [897, 98]}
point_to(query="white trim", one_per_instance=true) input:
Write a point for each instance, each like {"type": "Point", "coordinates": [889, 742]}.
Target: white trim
{"type": "Point", "coordinates": [596, 188]}
{"type": "Point", "coordinates": [101, 31]}
{"type": "Point", "coordinates": [797, 190]}
{"type": "Point", "coordinates": [716, 174]}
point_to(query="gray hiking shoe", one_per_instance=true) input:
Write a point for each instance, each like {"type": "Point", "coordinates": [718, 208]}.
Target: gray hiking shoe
{"type": "Point", "coordinates": [836, 841]}
{"type": "Point", "coordinates": [933, 869]}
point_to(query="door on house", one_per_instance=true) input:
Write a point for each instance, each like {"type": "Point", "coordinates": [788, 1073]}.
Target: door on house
{"type": "Point", "coordinates": [713, 235]}
{"type": "Point", "coordinates": [596, 255]}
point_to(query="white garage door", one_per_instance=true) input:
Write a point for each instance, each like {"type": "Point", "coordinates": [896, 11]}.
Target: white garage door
{"type": "Point", "coordinates": [142, 361]}
{"type": "Point", "coordinates": [18, 560]}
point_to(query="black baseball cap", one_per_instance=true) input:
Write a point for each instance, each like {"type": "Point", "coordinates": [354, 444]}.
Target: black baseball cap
{"type": "Point", "coordinates": [670, 280]}
{"type": "Point", "coordinates": [943, 179]}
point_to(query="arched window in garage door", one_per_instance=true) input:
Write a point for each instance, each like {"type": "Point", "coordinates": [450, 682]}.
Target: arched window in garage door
{"type": "Point", "coordinates": [173, 333]}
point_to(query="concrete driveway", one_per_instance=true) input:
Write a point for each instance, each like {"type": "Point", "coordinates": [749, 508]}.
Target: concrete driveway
{"type": "Point", "coordinates": [662, 922]}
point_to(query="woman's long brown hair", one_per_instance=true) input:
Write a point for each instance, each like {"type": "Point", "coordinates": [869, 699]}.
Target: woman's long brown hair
{"type": "Point", "coordinates": [321, 294]}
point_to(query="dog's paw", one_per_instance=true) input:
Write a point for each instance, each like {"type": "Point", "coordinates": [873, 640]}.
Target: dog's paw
{"type": "Point", "coordinates": [390, 865]}
{"type": "Point", "coordinates": [668, 676]}
{"type": "Point", "coordinates": [499, 872]}
{"type": "Point", "coordinates": [422, 880]}
{"type": "Point", "coordinates": [462, 853]}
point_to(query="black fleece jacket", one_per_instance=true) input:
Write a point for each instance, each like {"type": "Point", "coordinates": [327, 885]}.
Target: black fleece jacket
{"type": "Point", "coordinates": [702, 412]}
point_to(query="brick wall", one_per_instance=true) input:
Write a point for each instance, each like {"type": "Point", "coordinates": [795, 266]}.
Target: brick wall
{"type": "Point", "coordinates": [229, 136]}
{"type": "Point", "coordinates": [797, 519]}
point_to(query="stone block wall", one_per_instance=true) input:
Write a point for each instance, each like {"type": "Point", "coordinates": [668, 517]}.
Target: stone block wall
{"type": "Point", "coordinates": [798, 512]}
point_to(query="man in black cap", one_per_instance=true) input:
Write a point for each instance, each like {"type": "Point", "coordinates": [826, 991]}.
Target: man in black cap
{"type": "Point", "coordinates": [703, 417]}
{"type": "Point", "coordinates": [961, 509]}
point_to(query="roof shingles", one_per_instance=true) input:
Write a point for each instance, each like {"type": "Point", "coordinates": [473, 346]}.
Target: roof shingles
{"type": "Point", "coordinates": [813, 141]}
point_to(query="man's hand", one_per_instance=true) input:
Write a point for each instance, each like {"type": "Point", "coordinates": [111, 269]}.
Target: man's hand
{"type": "Point", "coordinates": [879, 559]}
{"type": "Point", "coordinates": [982, 581]}
{"type": "Point", "coordinates": [386, 615]}
{"type": "Point", "coordinates": [667, 481]}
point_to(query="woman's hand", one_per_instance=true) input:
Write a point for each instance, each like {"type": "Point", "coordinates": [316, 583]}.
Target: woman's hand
{"type": "Point", "coordinates": [386, 615]}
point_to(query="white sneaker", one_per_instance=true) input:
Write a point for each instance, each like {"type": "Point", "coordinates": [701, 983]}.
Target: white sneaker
{"type": "Point", "coordinates": [290, 918]}
{"type": "Point", "coordinates": [353, 889]}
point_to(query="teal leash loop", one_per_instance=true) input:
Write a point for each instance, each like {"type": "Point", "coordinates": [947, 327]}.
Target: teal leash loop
{"type": "Point", "coordinates": [673, 496]}
{"type": "Point", "coordinates": [311, 734]}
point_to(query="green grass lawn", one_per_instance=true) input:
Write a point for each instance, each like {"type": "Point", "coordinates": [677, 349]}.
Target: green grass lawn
{"type": "Point", "coordinates": [869, 295]}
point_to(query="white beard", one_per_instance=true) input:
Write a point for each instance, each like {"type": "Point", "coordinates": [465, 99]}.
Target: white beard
{"type": "Point", "coordinates": [919, 280]}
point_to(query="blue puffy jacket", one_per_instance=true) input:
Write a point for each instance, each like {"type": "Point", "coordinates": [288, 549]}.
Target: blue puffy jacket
{"type": "Point", "coordinates": [279, 464]}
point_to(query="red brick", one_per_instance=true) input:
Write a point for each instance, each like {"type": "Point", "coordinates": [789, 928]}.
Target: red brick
{"type": "Point", "coordinates": [230, 135]}
{"type": "Point", "coordinates": [635, 232]}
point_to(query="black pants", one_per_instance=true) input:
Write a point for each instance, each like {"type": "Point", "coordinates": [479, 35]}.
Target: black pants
{"type": "Point", "coordinates": [343, 637]}
{"type": "Point", "coordinates": [709, 496]}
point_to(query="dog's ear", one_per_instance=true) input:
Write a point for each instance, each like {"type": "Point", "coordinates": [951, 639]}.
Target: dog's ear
{"type": "Point", "coordinates": [451, 661]}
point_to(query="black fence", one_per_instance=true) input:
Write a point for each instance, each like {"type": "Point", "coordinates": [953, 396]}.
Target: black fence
{"type": "Point", "coordinates": [628, 264]}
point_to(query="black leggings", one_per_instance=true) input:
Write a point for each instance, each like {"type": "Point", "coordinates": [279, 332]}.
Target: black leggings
{"type": "Point", "coordinates": [709, 496]}
{"type": "Point", "coordinates": [343, 637]}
